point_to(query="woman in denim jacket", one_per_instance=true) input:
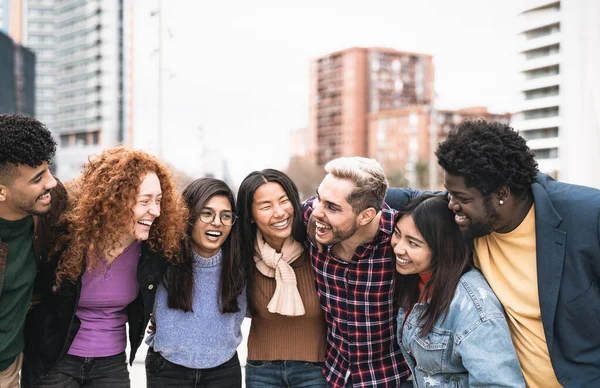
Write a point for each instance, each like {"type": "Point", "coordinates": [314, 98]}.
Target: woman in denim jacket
{"type": "Point", "coordinates": [451, 326]}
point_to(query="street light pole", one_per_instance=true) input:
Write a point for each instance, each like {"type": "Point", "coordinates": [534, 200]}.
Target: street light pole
{"type": "Point", "coordinates": [160, 80]}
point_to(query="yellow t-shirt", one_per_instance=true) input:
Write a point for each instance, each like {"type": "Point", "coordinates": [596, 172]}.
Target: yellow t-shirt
{"type": "Point", "coordinates": [508, 262]}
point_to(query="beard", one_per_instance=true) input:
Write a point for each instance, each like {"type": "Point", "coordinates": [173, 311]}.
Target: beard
{"type": "Point", "coordinates": [484, 227]}
{"type": "Point", "coordinates": [339, 235]}
{"type": "Point", "coordinates": [29, 206]}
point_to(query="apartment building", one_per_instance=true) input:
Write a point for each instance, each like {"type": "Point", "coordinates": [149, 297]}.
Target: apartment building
{"type": "Point", "coordinates": [346, 86]}
{"type": "Point", "coordinates": [17, 77]}
{"type": "Point", "coordinates": [404, 140]}
{"type": "Point", "coordinates": [31, 23]}
{"type": "Point", "coordinates": [559, 87]}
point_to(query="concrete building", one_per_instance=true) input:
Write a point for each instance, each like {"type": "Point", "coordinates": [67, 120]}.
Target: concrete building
{"type": "Point", "coordinates": [346, 86]}
{"type": "Point", "coordinates": [17, 77]}
{"type": "Point", "coordinates": [31, 23]}
{"type": "Point", "coordinates": [90, 80]}
{"type": "Point", "coordinates": [404, 140]}
{"type": "Point", "coordinates": [559, 112]}
{"type": "Point", "coordinates": [83, 86]}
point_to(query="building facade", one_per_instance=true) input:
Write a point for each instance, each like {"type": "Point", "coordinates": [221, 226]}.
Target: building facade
{"type": "Point", "coordinates": [82, 66]}
{"type": "Point", "coordinates": [560, 87]}
{"type": "Point", "coordinates": [348, 85]}
{"type": "Point", "coordinates": [32, 23]}
{"type": "Point", "coordinates": [404, 140]}
{"type": "Point", "coordinates": [17, 77]}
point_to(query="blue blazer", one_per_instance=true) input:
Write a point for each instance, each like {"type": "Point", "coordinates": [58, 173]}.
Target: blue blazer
{"type": "Point", "coordinates": [567, 226]}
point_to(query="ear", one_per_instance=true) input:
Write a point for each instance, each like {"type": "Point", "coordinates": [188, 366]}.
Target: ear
{"type": "Point", "coordinates": [3, 193]}
{"type": "Point", "coordinates": [366, 216]}
{"type": "Point", "coordinates": [503, 195]}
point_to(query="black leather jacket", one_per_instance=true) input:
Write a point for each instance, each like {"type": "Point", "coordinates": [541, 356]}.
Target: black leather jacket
{"type": "Point", "coordinates": [52, 325]}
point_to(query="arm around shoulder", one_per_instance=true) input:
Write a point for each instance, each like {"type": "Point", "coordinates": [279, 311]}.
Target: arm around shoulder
{"type": "Point", "coordinates": [397, 197]}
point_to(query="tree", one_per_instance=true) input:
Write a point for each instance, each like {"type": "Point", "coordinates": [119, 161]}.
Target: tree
{"type": "Point", "coordinates": [306, 175]}
{"type": "Point", "coordinates": [397, 178]}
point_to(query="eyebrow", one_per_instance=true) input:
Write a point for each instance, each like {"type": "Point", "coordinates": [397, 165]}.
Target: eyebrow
{"type": "Point", "coordinates": [149, 195]}
{"type": "Point", "coordinates": [460, 193]}
{"type": "Point", "coordinates": [213, 210]}
{"type": "Point", "coordinates": [414, 238]}
{"type": "Point", "coordinates": [36, 176]}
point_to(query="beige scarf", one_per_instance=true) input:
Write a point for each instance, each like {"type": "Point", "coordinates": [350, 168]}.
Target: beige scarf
{"type": "Point", "coordinates": [286, 298]}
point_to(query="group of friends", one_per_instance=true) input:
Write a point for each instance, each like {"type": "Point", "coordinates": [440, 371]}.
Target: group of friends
{"type": "Point", "coordinates": [493, 282]}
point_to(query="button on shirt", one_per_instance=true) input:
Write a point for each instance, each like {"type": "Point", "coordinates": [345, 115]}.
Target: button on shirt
{"type": "Point", "coordinates": [358, 300]}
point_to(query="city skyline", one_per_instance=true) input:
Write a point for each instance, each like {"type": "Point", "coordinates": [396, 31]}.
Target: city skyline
{"type": "Point", "coordinates": [242, 70]}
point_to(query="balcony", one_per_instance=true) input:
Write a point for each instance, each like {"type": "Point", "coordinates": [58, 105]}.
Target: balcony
{"type": "Point", "coordinates": [537, 103]}
{"type": "Point", "coordinates": [540, 144]}
{"type": "Point", "coordinates": [536, 63]}
{"type": "Point", "coordinates": [542, 82]}
{"type": "Point", "coordinates": [521, 124]}
{"type": "Point", "coordinates": [532, 21]}
{"type": "Point", "coordinates": [530, 44]}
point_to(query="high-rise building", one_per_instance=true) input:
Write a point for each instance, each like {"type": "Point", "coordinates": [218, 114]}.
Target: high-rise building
{"type": "Point", "coordinates": [83, 78]}
{"type": "Point", "coordinates": [346, 86]}
{"type": "Point", "coordinates": [560, 87]}
{"type": "Point", "coordinates": [32, 24]}
{"type": "Point", "coordinates": [17, 77]}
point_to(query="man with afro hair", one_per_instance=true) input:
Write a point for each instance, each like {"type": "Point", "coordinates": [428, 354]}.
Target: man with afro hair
{"type": "Point", "coordinates": [30, 202]}
{"type": "Point", "coordinates": [536, 241]}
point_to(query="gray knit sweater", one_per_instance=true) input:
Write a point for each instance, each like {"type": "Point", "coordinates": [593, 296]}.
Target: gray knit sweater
{"type": "Point", "coordinates": [204, 338]}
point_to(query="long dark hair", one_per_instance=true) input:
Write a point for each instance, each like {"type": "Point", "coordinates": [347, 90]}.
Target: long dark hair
{"type": "Point", "coordinates": [450, 258]}
{"type": "Point", "coordinates": [180, 276]}
{"type": "Point", "coordinates": [248, 228]}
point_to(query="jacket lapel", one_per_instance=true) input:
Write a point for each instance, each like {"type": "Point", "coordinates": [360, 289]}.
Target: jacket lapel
{"type": "Point", "coordinates": [550, 247]}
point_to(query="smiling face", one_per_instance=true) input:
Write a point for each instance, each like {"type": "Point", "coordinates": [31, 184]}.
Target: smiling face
{"type": "Point", "coordinates": [334, 217]}
{"type": "Point", "coordinates": [475, 214]}
{"type": "Point", "coordinates": [273, 213]}
{"type": "Point", "coordinates": [28, 193]}
{"type": "Point", "coordinates": [413, 255]}
{"type": "Point", "coordinates": [207, 238]}
{"type": "Point", "coordinates": [146, 208]}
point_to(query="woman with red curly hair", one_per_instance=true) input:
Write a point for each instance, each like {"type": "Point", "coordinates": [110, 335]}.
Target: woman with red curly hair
{"type": "Point", "coordinates": [124, 223]}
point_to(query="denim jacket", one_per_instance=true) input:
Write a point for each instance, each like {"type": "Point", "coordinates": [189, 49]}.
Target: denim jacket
{"type": "Point", "coordinates": [470, 348]}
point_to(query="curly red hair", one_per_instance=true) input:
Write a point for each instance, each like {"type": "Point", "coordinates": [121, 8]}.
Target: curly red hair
{"type": "Point", "coordinates": [100, 207]}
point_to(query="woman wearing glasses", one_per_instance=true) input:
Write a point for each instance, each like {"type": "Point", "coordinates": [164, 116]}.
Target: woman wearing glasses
{"type": "Point", "coordinates": [286, 344]}
{"type": "Point", "coordinates": [201, 304]}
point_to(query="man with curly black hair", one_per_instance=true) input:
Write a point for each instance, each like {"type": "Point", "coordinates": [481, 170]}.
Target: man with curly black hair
{"type": "Point", "coordinates": [537, 242]}
{"type": "Point", "coordinates": [27, 216]}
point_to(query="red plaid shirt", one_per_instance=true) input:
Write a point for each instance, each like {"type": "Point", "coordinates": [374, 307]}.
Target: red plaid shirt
{"type": "Point", "coordinates": [358, 300]}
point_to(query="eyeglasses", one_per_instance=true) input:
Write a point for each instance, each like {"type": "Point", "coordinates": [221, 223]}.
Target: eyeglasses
{"type": "Point", "coordinates": [227, 218]}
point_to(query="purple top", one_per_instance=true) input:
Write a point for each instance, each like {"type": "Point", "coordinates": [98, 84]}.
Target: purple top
{"type": "Point", "coordinates": [102, 309]}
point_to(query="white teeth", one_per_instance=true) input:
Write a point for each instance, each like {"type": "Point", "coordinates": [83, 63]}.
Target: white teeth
{"type": "Point", "coordinates": [280, 224]}
{"type": "Point", "coordinates": [402, 261]}
{"type": "Point", "coordinates": [321, 225]}
{"type": "Point", "coordinates": [213, 233]}
{"type": "Point", "coordinates": [145, 223]}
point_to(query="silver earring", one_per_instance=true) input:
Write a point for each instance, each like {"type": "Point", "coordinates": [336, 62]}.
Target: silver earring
{"type": "Point", "coordinates": [501, 202]}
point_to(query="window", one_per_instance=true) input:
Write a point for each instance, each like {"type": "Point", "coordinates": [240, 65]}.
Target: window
{"type": "Point", "coordinates": [541, 93]}
{"type": "Point", "coordinates": [542, 51]}
{"type": "Point", "coordinates": [64, 140]}
{"type": "Point", "coordinates": [542, 31]}
{"type": "Point", "coordinates": [542, 72]}
{"type": "Point", "coordinates": [542, 133]}
{"type": "Point", "coordinates": [546, 153]}
{"type": "Point", "coordinates": [541, 113]}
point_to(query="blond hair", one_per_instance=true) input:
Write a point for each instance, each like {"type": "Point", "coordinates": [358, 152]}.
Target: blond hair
{"type": "Point", "coordinates": [368, 176]}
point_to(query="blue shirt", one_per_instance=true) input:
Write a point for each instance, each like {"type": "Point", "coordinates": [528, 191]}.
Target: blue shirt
{"type": "Point", "coordinates": [202, 338]}
{"type": "Point", "coordinates": [471, 347]}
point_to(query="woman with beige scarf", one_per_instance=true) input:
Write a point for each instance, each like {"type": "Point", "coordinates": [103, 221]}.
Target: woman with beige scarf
{"type": "Point", "coordinates": [286, 344]}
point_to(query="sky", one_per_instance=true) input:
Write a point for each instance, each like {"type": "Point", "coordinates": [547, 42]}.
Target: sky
{"type": "Point", "coordinates": [240, 69]}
